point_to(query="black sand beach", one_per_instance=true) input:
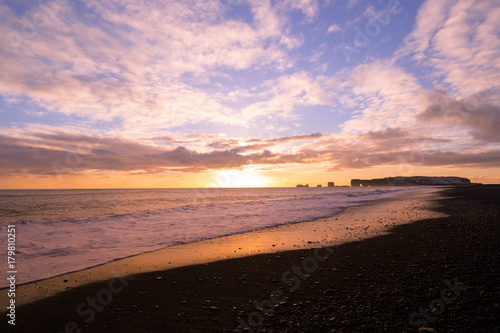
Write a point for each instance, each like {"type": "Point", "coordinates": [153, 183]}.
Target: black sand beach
{"type": "Point", "coordinates": [439, 273]}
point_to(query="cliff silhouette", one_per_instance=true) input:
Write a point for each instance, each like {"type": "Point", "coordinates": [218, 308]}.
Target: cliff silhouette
{"type": "Point", "coordinates": [410, 181]}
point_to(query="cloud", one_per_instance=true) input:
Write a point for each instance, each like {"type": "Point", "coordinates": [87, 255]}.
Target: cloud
{"type": "Point", "coordinates": [333, 29]}
{"type": "Point", "coordinates": [134, 63]}
{"type": "Point", "coordinates": [363, 160]}
{"type": "Point", "coordinates": [351, 4]}
{"type": "Point", "coordinates": [288, 91]}
{"type": "Point", "coordinates": [459, 41]}
{"type": "Point", "coordinates": [293, 138]}
{"type": "Point", "coordinates": [152, 69]}
{"type": "Point", "coordinates": [383, 95]}
{"type": "Point", "coordinates": [431, 16]}
{"type": "Point", "coordinates": [318, 53]}
{"type": "Point", "coordinates": [386, 134]}
{"type": "Point", "coordinates": [310, 8]}
{"type": "Point", "coordinates": [59, 153]}
{"type": "Point", "coordinates": [456, 40]}
{"type": "Point", "coordinates": [54, 157]}
{"type": "Point", "coordinates": [478, 113]}
{"type": "Point", "coordinates": [222, 142]}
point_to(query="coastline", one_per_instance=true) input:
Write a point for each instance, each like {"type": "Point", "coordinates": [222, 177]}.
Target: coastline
{"type": "Point", "coordinates": [375, 283]}
{"type": "Point", "coordinates": [347, 226]}
{"type": "Point", "coordinates": [63, 245]}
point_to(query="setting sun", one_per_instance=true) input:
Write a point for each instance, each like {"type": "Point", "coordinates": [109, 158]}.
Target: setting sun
{"type": "Point", "coordinates": [239, 178]}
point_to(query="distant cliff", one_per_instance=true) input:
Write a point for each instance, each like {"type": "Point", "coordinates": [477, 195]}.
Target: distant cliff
{"type": "Point", "coordinates": [410, 181]}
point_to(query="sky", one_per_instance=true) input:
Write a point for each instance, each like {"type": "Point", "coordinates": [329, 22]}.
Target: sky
{"type": "Point", "coordinates": [225, 93]}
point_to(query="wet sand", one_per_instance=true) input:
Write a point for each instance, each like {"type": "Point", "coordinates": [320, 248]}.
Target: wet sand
{"type": "Point", "coordinates": [359, 222]}
{"type": "Point", "coordinates": [367, 285]}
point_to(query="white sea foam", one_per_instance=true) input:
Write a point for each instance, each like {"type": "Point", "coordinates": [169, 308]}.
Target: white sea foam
{"type": "Point", "coordinates": [49, 248]}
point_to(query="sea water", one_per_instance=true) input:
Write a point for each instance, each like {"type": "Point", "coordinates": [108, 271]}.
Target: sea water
{"type": "Point", "coordinates": [60, 231]}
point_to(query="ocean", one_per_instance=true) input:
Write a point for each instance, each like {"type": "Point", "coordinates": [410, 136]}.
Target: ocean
{"type": "Point", "coordinates": [60, 231]}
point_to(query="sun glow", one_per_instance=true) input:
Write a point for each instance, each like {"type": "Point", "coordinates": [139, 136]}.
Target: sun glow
{"type": "Point", "coordinates": [239, 178]}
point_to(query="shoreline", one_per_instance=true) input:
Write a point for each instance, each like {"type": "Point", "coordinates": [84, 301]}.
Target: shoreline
{"type": "Point", "coordinates": [62, 247]}
{"type": "Point", "coordinates": [375, 284]}
{"type": "Point", "coordinates": [288, 237]}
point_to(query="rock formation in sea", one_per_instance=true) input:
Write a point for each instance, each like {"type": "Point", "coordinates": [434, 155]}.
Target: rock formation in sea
{"type": "Point", "coordinates": [410, 181]}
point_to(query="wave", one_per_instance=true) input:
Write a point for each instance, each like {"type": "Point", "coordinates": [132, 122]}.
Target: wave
{"type": "Point", "coordinates": [54, 247]}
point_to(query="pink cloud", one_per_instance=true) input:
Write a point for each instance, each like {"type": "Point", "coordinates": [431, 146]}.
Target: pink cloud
{"type": "Point", "coordinates": [131, 66]}
{"type": "Point", "coordinates": [479, 114]}
{"type": "Point", "coordinates": [60, 152]}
